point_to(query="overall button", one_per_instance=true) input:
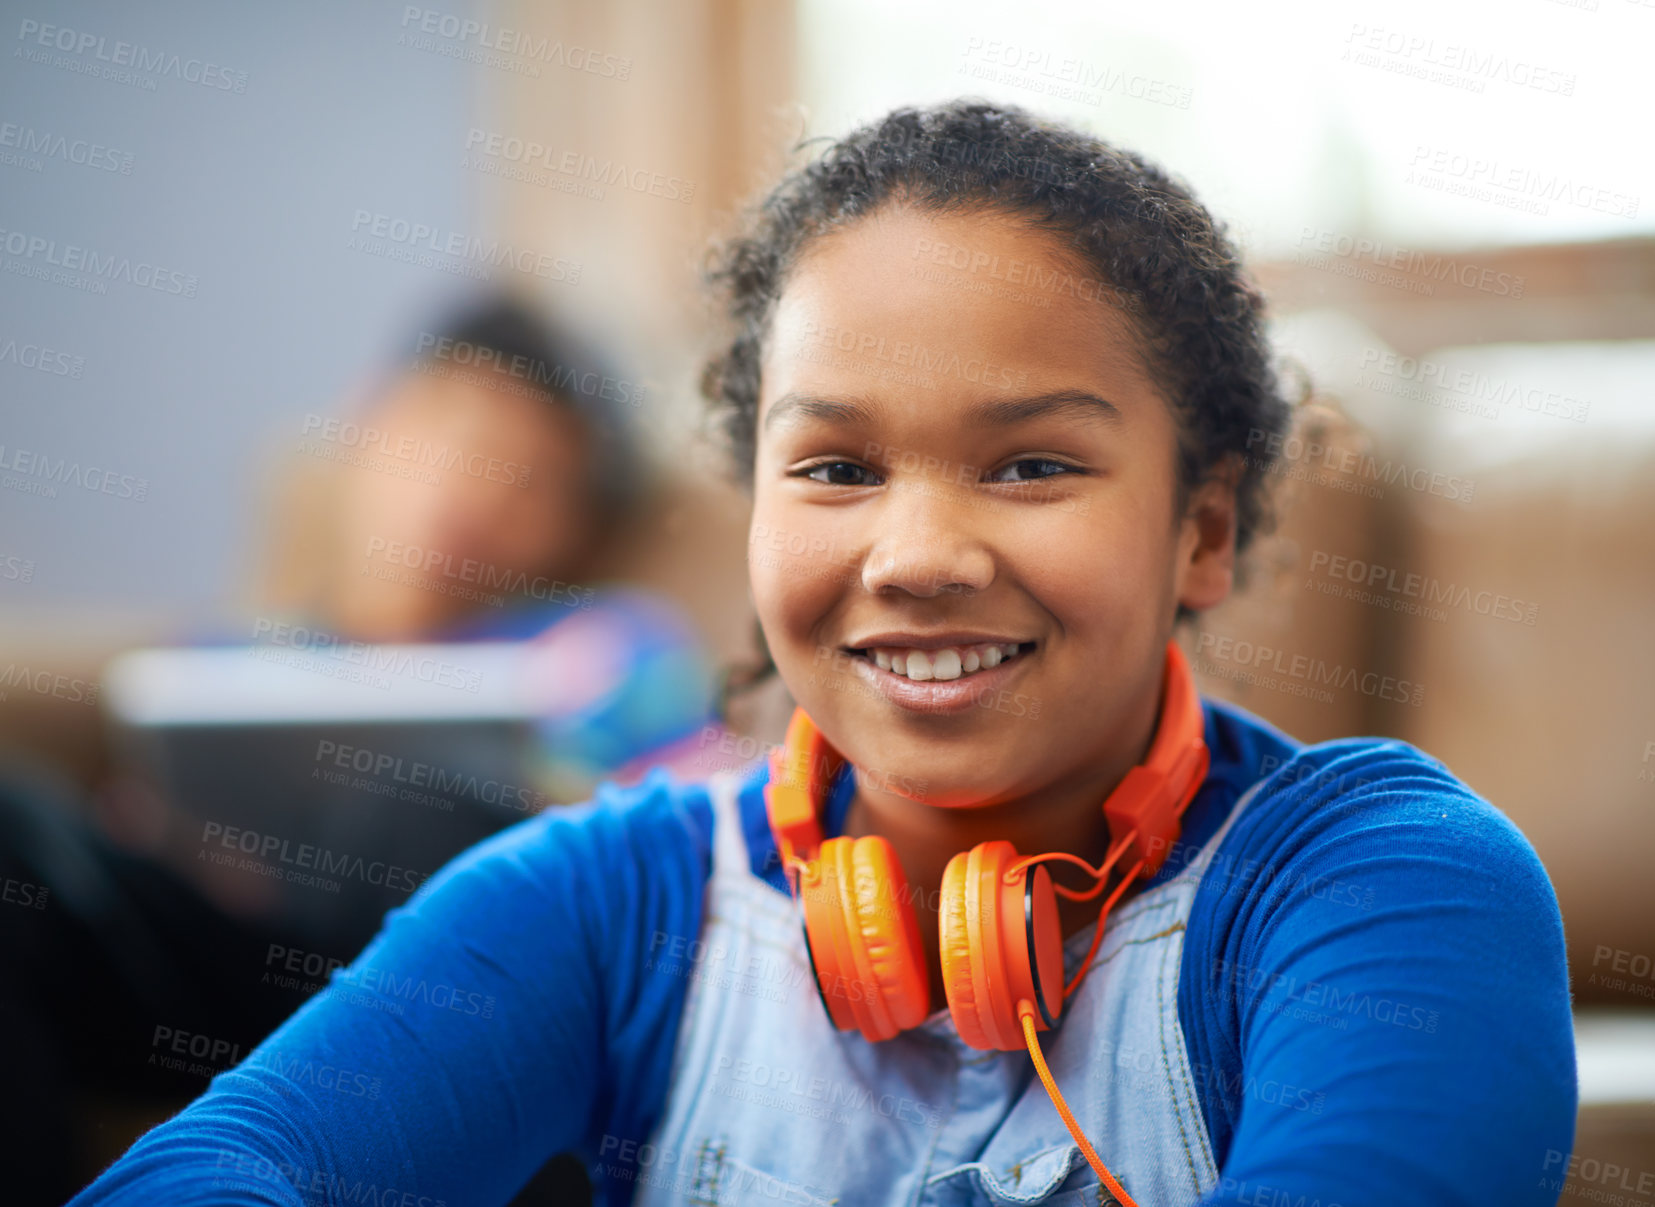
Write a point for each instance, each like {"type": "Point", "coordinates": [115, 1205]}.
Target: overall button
{"type": "Point", "coordinates": [1048, 1177]}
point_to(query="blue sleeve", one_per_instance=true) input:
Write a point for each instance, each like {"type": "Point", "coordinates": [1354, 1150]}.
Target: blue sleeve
{"type": "Point", "coordinates": [1374, 993]}
{"type": "Point", "coordinates": [504, 1015]}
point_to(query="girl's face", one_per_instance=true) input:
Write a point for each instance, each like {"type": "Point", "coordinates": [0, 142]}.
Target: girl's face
{"type": "Point", "coordinates": [958, 450]}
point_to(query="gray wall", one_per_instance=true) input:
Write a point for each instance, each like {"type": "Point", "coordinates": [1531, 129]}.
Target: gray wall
{"type": "Point", "coordinates": [252, 192]}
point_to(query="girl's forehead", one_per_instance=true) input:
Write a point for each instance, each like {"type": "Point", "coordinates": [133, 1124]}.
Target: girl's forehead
{"type": "Point", "coordinates": [947, 304]}
{"type": "Point", "coordinates": [965, 240]}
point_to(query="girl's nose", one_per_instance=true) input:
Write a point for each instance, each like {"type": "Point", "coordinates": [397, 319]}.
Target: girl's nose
{"type": "Point", "coordinates": [925, 544]}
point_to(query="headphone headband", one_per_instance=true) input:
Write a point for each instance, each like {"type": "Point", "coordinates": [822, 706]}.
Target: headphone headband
{"type": "Point", "coordinates": [792, 797]}
{"type": "Point", "coordinates": [1150, 801]}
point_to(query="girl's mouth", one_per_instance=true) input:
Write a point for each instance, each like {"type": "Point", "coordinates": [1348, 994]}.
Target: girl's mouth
{"type": "Point", "coordinates": [945, 664]}
{"type": "Point", "coordinates": [919, 688]}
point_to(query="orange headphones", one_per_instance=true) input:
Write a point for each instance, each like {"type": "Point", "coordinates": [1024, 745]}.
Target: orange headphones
{"type": "Point", "coordinates": [1001, 936]}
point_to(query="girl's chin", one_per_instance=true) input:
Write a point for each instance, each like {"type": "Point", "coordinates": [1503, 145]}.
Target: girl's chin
{"type": "Point", "coordinates": [952, 792]}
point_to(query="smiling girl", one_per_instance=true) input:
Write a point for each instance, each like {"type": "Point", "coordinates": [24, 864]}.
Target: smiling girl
{"type": "Point", "coordinates": [1015, 917]}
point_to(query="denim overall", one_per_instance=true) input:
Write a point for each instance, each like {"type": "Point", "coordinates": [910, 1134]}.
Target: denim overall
{"type": "Point", "coordinates": [769, 1103]}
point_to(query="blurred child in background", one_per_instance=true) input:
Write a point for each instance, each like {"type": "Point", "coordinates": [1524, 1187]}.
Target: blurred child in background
{"type": "Point", "coordinates": [529, 433]}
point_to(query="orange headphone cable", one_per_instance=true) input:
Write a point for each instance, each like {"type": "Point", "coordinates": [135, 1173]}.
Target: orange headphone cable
{"type": "Point", "coordinates": [1025, 1013]}
{"type": "Point", "coordinates": [1100, 873]}
{"type": "Point", "coordinates": [1097, 935]}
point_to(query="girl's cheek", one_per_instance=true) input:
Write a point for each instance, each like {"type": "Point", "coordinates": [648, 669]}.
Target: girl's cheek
{"type": "Point", "coordinates": [795, 576]}
{"type": "Point", "coordinates": [1093, 566]}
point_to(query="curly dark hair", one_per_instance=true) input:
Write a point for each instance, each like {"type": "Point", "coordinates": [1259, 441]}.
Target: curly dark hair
{"type": "Point", "coordinates": [557, 363]}
{"type": "Point", "coordinates": [1174, 272]}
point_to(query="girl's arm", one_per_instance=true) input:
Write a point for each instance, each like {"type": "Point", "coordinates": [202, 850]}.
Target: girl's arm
{"type": "Point", "coordinates": [1378, 995]}
{"type": "Point", "coordinates": [480, 1033]}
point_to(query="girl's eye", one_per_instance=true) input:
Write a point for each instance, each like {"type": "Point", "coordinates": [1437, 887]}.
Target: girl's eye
{"type": "Point", "coordinates": [1042, 468]}
{"type": "Point", "coordinates": [839, 473]}
{"type": "Point", "coordinates": [849, 473]}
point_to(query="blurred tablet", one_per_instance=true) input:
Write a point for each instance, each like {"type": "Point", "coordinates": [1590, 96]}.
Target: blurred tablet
{"type": "Point", "coordinates": [316, 786]}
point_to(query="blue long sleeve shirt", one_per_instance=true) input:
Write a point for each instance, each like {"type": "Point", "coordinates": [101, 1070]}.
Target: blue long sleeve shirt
{"type": "Point", "coordinates": [505, 1013]}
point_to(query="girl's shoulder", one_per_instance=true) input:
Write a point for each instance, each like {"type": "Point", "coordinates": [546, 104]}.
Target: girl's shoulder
{"type": "Point", "coordinates": [1360, 912]}
{"type": "Point", "coordinates": [1378, 814]}
{"type": "Point", "coordinates": [1385, 780]}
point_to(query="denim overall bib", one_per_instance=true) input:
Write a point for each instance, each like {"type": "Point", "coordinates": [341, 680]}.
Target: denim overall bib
{"type": "Point", "coordinates": [770, 1104]}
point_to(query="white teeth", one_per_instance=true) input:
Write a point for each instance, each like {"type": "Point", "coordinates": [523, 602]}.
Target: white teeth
{"type": "Point", "coordinates": [947, 663]}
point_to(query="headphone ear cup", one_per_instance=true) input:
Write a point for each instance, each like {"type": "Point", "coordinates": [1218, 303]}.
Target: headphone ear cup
{"type": "Point", "coordinates": [987, 962]}
{"type": "Point", "coordinates": [889, 933]}
{"type": "Point", "coordinates": [864, 940]}
{"type": "Point", "coordinates": [1043, 931]}
{"type": "Point", "coordinates": [955, 950]}
{"type": "Point", "coordinates": [819, 902]}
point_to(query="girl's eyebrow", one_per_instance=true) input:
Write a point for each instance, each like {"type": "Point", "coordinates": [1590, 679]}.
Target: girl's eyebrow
{"type": "Point", "coordinates": [1074, 404]}
{"type": "Point", "coordinates": [999, 412]}
{"type": "Point", "coordinates": [840, 412]}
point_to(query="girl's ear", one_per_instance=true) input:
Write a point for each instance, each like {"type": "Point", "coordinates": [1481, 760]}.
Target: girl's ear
{"type": "Point", "coordinates": [1206, 538]}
